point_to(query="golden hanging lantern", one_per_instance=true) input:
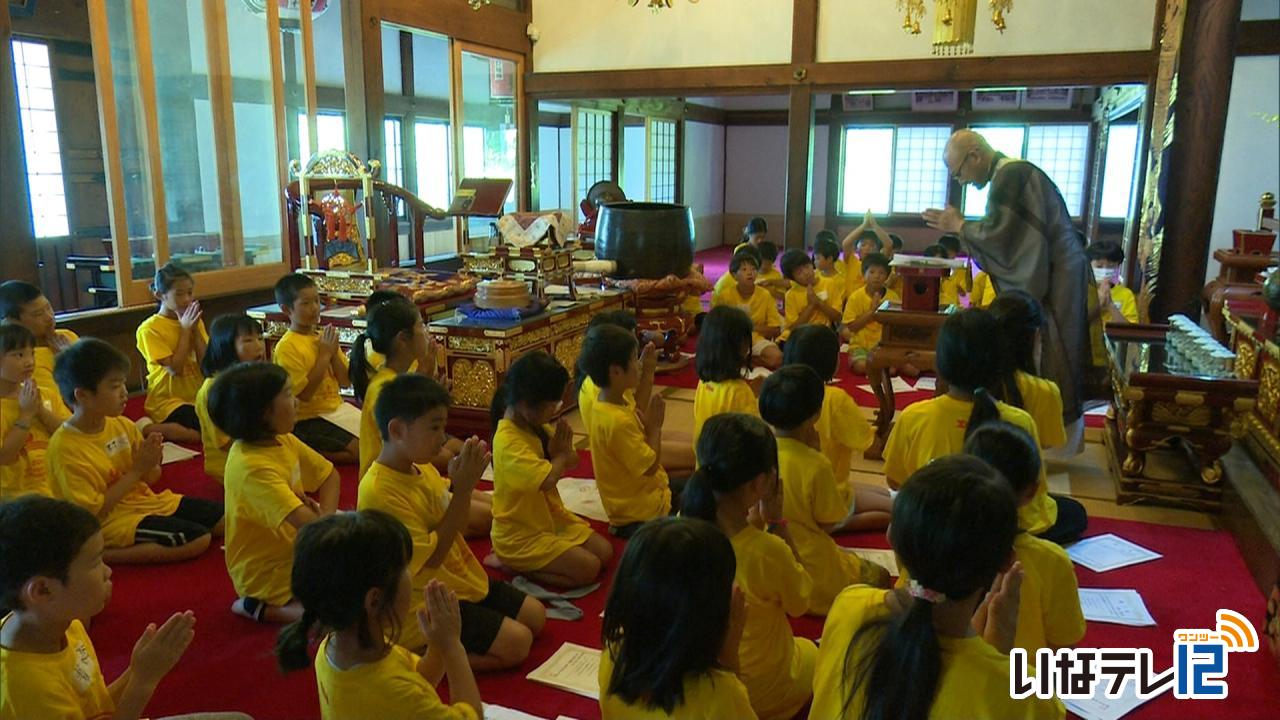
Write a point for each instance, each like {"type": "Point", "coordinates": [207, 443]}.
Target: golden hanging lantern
{"type": "Point", "coordinates": [954, 22]}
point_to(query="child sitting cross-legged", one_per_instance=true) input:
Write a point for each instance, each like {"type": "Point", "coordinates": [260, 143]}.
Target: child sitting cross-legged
{"type": "Point", "coordinates": [499, 622]}
{"type": "Point", "coordinates": [759, 306]}
{"type": "Point", "coordinates": [27, 419]}
{"type": "Point", "coordinates": [791, 402]}
{"type": "Point", "coordinates": [99, 460]}
{"type": "Point", "coordinates": [808, 302]}
{"type": "Point", "coordinates": [269, 479]}
{"type": "Point", "coordinates": [868, 237]}
{"type": "Point", "coordinates": [232, 339]}
{"type": "Point", "coordinates": [626, 452]}
{"type": "Point", "coordinates": [173, 343]}
{"type": "Point", "coordinates": [860, 309]}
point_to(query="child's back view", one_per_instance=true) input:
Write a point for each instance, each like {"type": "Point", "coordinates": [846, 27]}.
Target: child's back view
{"type": "Point", "coordinates": [724, 354]}
{"type": "Point", "coordinates": [234, 339]}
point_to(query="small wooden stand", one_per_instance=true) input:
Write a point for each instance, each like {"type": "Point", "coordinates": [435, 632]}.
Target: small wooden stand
{"type": "Point", "coordinates": [909, 337]}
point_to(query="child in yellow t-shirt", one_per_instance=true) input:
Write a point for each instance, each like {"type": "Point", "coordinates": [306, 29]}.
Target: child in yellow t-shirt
{"type": "Point", "coordinates": [351, 573]}
{"type": "Point", "coordinates": [960, 282]}
{"type": "Point", "coordinates": [724, 354]}
{"type": "Point", "coordinates": [769, 278]}
{"type": "Point", "coordinates": [829, 270]}
{"type": "Point", "coordinates": [499, 621]}
{"type": "Point", "coordinates": [967, 652]}
{"type": "Point", "coordinates": [736, 487]}
{"type": "Point", "coordinates": [859, 311]}
{"type": "Point", "coordinates": [810, 301]}
{"type": "Point", "coordinates": [759, 306]}
{"type": "Point", "coordinates": [983, 292]}
{"type": "Point", "coordinates": [1049, 614]}
{"type": "Point", "coordinates": [23, 304]}
{"type": "Point", "coordinates": [55, 579]}
{"type": "Point", "coordinates": [1116, 302]}
{"type": "Point", "coordinates": [861, 241]}
{"type": "Point", "coordinates": [317, 369]}
{"type": "Point", "coordinates": [534, 534]}
{"type": "Point", "coordinates": [969, 362]}
{"type": "Point", "coordinates": [270, 479]}
{"type": "Point", "coordinates": [626, 452]}
{"type": "Point", "coordinates": [842, 430]}
{"type": "Point", "coordinates": [232, 339]}
{"type": "Point", "coordinates": [684, 664]}
{"type": "Point", "coordinates": [100, 461]}
{"type": "Point", "coordinates": [27, 418]}
{"type": "Point", "coordinates": [791, 402]}
{"type": "Point", "coordinates": [173, 342]}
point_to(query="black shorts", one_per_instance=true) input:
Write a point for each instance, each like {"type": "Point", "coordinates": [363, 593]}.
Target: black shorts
{"type": "Point", "coordinates": [322, 436]}
{"type": "Point", "coordinates": [186, 417]}
{"type": "Point", "coordinates": [481, 621]}
{"type": "Point", "coordinates": [194, 518]}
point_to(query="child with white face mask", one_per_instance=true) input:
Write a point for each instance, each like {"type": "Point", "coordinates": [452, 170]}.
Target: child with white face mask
{"type": "Point", "coordinates": [1115, 301]}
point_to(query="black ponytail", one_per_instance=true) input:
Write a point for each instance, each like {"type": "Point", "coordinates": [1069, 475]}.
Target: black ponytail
{"type": "Point", "coordinates": [359, 365]}
{"type": "Point", "coordinates": [534, 378]}
{"type": "Point", "coordinates": [984, 411]}
{"type": "Point", "coordinates": [385, 322]}
{"type": "Point", "coordinates": [1019, 317]}
{"type": "Point", "coordinates": [293, 644]}
{"type": "Point", "coordinates": [969, 361]}
{"type": "Point", "coordinates": [733, 450]}
{"type": "Point", "coordinates": [954, 522]}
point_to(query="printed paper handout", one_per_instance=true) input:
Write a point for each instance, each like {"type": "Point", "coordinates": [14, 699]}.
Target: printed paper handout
{"type": "Point", "coordinates": [1108, 552]}
{"type": "Point", "coordinates": [574, 668]}
{"type": "Point", "coordinates": [172, 453]}
{"type": "Point", "coordinates": [582, 497]}
{"type": "Point", "coordinates": [345, 416]}
{"type": "Point", "coordinates": [884, 558]}
{"type": "Point", "coordinates": [1122, 607]}
{"type": "Point", "coordinates": [1101, 707]}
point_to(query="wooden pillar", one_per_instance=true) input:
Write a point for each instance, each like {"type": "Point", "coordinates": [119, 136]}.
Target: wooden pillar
{"type": "Point", "coordinates": [365, 104]}
{"type": "Point", "coordinates": [15, 206]}
{"type": "Point", "coordinates": [804, 33]}
{"type": "Point", "coordinates": [1206, 62]}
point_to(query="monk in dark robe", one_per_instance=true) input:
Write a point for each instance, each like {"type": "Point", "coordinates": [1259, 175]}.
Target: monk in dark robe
{"type": "Point", "coordinates": [1026, 241]}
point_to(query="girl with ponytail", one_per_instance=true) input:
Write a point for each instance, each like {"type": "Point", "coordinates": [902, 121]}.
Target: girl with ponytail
{"type": "Point", "coordinates": [736, 486]}
{"type": "Point", "coordinates": [969, 362]}
{"type": "Point", "coordinates": [350, 572]}
{"type": "Point", "coordinates": [533, 533]}
{"type": "Point", "coordinates": [938, 647]}
{"type": "Point", "coordinates": [1020, 319]}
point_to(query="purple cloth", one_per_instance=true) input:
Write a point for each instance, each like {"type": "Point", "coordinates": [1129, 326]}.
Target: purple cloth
{"type": "Point", "coordinates": [471, 311]}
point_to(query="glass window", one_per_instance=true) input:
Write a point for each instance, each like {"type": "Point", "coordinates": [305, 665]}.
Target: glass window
{"type": "Point", "coordinates": [919, 173]}
{"type": "Point", "coordinates": [1007, 139]}
{"type": "Point", "coordinates": [489, 118]}
{"type": "Point", "coordinates": [39, 126]}
{"type": "Point", "coordinates": [634, 161]}
{"type": "Point", "coordinates": [1062, 152]}
{"type": "Point", "coordinates": [435, 176]}
{"type": "Point", "coordinates": [394, 153]}
{"type": "Point", "coordinates": [331, 131]}
{"type": "Point", "coordinates": [1118, 172]}
{"type": "Point", "coordinates": [128, 107]}
{"type": "Point", "coordinates": [662, 161]}
{"type": "Point", "coordinates": [868, 170]}
{"type": "Point", "coordinates": [593, 148]}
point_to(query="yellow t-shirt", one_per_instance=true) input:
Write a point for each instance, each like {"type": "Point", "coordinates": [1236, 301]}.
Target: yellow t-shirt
{"type": "Point", "coordinates": [370, 434]}
{"type": "Point", "coordinates": [949, 289]}
{"type": "Point", "coordinates": [63, 684]}
{"type": "Point", "coordinates": [157, 339]}
{"type": "Point", "coordinates": [1049, 613]}
{"type": "Point", "coordinates": [935, 427]}
{"type": "Point", "coordinates": [215, 442]}
{"type": "Point", "coordinates": [264, 483]}
{"type": "Point", "coordinates": [715, 695]}
{"type": "Point", "coordinates": [761, 306]}
{"type": "Point", "coordinates": [1043, 402]}
{"type": "Point", "coordinates": [43, 375]}
{"type": "Point", "coordinates": [388, 689]}
{"type": "Point", "coordinates": [859, 304]}
{"type": "Point", "coordinates": [1123, 298]}
{"type": "Point", "coordinates": [620, 457]}
{"type": "Point", "coordinates": [713, 398]}
{"type": "Point", "coordinates": [984, 291]}
{"type": "Point", "coordinates": [974, 682]}
{"type": "Point", "coordinates": [296, 353]}
{"type": "Point", "coordinates": [843, 430]}
{"type": "Point", "coordinates": [829, 290]}
{"type": "Point", "coordinates": [774, 664]}
{"type": "Point", "coordinates": [587, 395]}
{"type": "Point", "coordinates": [83, 465]}
{"type": "Point", "coordinates": [531, 526]}
{"type": "Point", "coordinates": [722, 282]}
{"type": "Point", "coordinates": [853, 279]}
{"type": "Point", "coordinates": [770, 278]}
{"type": "Point", "coordinates": [27, 474]}
{"type": "Point", "coordinates": [810, 499]}
{"type": "Point", "coordinates": [419, 502]}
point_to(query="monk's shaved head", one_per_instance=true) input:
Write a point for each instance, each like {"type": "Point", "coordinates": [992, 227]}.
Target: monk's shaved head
{"type": "Point", "coordinates": [962, 141]}
{"type": "Point", "coordinates": [968, 157]}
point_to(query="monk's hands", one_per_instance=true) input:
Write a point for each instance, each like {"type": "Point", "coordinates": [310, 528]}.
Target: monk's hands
{"type": "Point", "coordinates": [948, 219]}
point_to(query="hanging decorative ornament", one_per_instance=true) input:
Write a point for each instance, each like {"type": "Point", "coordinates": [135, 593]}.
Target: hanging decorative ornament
{"type": "Point", "coordinates": [998, 9]}
{"type": "Point", "coordinates": [914, 11]}
{"type": "Point", "coordinates": [656, 5]}
{"type": "Point", "coordinates": [953, 23]}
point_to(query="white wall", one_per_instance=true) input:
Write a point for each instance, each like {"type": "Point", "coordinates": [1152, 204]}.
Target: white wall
{"type": "Point", "coordinates": [704, 180]}
{"type": "Point", "coordinates": [609, 35]}
{"type": "Point", "coordinates": [755, 169]}
{"type": "Point", "coordinates": [1250, 150]}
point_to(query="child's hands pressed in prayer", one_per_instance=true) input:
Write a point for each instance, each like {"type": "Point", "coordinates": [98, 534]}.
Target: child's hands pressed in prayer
{"type": "Point", "coordinates": [648, 359]}
{"type": "Point", "coordinates": [159, 649]}
{"type": "Point", "coordinates": [149, 455]}
{"type": "Point", "coordinates": [996, 618]}
{"type": "Point", "coordinates": [328, 341]}
{"type": "Point", "coordinates": [58, 342]}
{"type": "Point", "coordinates": [440, 620]}
{"type": "Point", "coordinates": [191, 316]}
{"type": "Point", "coordinates": [468, 465]}
{"type": "Point", "coordinates": [656, 413]}
{"type": "Point", "coordinates": [28, 399]}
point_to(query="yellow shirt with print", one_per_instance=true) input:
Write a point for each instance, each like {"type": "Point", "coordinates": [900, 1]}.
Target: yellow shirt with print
{"type": "Point", "coordinates": [587, 395]}
{"type": "Point", "coordinates": [974, 682]}
{"type": "Point", "coordinates": [370, 433]}
{"type": "Point", "coordinates": [714, 695]}
{"type": "Point", "coordinates": [761, 306]}
{"type": "Point", "coordinates": [935, 427]}
{"type": "Point", "coordinates": [810, 499]}
{"type": "Point", "coordinates": [28, 473]}
{"type": "Point", "coordinates": [621, 458]}
{"type": "Point", "coordinates": [853, 278]}
{"type": "Point", "coordinates": [1042, 400]}
{"type": "Point", "coordinates": [167, 391]}
{"type": "Point", "coordinates": [797, 299]}
{"type": "Point", "coordinates": [43, 374]}
{"type": "Point", "coordinates": [215, 442]}
{"type": "Point", "coordinates": [390, 688]}
{"type": "Point", "coordinates": [297, 353]}
{"type": "Point", "coordinates": [419, 501]}
{"type": "Point", "coordinates": [713, 398]}
{"type": "Point", "coordinates": [1124, 299]}
{"type": "Point", "coordinates": [264, 483]}
{"type": "Point", "coordinates": [774, 664]}
{"type": "Point", "coordinates": [1049, 614]}
{"type": "Point", "coordinates": [859, 304]}
{"type": "Point", "coordinates": [842, 431]}
{"type": "Point", "coordinates": [83, 466]}
{"type": "Point", "coordinates": [63, 684]}
{"type": "Point", "coordinates": [531, 526]}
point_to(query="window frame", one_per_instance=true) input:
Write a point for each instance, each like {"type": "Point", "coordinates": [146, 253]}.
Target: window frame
{"type": "Point", "coordinates": [1083, 211]}
{"type": "Point", "coordinates": [20, 68]}
{"type": "Point", "coordinates": [872, 124]}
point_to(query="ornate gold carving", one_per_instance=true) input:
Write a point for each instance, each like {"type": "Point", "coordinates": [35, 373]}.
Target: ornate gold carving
{"type": "Point", "coordinates": [1269, 389]}
{"type": "Point", "coordinates": [567, 351]}
{"type": "Point", "coordinates": [482, 263]}
{"type": "Point", "coordinates": [521, 265]}
{"type": "Point", "coordinates": [1246, 358]}
{"type": "Point", "coordinates": [1179, 413]}
{"type": "Point", "coordinates": [473, 382]}
{"type": "Point", "coordinates": [470, 344]}
{"type": "Point", "coordinates": [275, 329]}
{"type": "Point", "coordinates": [533, 337]}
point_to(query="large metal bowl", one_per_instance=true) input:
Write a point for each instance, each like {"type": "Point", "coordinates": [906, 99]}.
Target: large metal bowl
{"type": "Point", "coordinates": [646, 240]}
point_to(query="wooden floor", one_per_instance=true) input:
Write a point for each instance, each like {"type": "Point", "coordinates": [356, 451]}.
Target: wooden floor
{"type": "Point", "coordinates": [1084, 477]}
